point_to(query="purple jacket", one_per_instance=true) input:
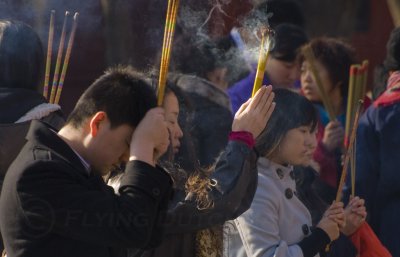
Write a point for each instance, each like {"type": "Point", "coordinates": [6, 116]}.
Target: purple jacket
{"type": "Point", "coordinates": [241, 90]}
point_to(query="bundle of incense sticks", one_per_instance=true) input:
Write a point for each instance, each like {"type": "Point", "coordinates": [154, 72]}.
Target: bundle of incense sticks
{"type": "Point", "coordinates": [356, 92]}
{"type": "Point", "coordinates": [265, 47]}
{"type": "Point", "coordinates": [58, 81]}
{"type": "Point", "coordinates": [169, 30]}
{"type": "Point", "coordinates": [394, 8]}
{"type": "Point", "coordinates": [349, 151]}
{"type": "Point", "coordinates": [310, 58]}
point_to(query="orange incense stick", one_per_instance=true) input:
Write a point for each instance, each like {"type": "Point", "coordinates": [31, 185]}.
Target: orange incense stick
{"type": "Point", "coordinates": [349, 152]}
{"type": "Point", "coordinates": [66, 59]}
{"type": "Point", "coordinates": [49, 52]}
{"type": "Point", "coordinates": [58, 62]}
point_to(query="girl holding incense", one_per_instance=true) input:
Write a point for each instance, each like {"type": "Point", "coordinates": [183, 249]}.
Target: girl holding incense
{"type": "Point", "coordinates": [205, 199]}
{"type": "Point", "coordinates": [333, 59]}
{"type": "Point", "coordinates": [278, 223]}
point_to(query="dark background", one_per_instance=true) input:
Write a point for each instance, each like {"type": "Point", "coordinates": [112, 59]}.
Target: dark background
{"type": "Point", "coordinates": [130, 31]}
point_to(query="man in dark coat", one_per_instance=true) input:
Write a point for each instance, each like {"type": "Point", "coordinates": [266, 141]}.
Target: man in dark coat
{"type": "Point", "coordinates": [54, 201]}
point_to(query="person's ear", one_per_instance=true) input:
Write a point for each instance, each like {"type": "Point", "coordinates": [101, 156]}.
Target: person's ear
{"type": "Point", "coordinates": [95, 122]}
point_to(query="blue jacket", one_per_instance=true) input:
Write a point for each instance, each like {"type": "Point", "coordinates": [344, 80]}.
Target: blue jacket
{"type": "Point", "coordinates": [378, 171]}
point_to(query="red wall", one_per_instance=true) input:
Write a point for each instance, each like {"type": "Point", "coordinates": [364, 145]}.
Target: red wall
{"type": "Point", "coordinates": [371, 45]}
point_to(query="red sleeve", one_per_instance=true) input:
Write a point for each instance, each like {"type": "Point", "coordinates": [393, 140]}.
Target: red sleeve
{"type": "Point", "coordinates": [244, 137]}
{"type": "Point", "coordinates": [326, 160]}
{"type": "Point", "coordinates": [367, 243]}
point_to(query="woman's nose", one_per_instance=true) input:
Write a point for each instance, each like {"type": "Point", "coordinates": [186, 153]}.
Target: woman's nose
{"type": "Point", "coordinates": [307, 76]}
{"type": "Point", "coordinates": [179, 132]}
{"type": "Point", "coordinates": [312, 140]}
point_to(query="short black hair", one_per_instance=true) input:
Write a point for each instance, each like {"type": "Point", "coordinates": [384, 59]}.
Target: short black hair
{"type": "Point", "coordinates": [288, 40]}
{"type": "Point", "coordinates": [123, 93]}
{"type": "Point", "coordinates": [392, 60]}
{"type": "Point", "coordinates": [292, 111]}
{"type": "Point", "coordinates": [21, 56]}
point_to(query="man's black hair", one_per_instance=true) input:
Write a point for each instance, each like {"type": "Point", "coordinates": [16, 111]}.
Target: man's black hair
{"type": "Point", "coordinates": [121, 92]}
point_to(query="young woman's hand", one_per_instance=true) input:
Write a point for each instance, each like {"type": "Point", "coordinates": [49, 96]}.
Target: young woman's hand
{"type": "Point", "coordinates": [355, 214]}
{"type": "Point", "coordinates": [333, 136]}
{"type": "Point", "coordinates": [336, 213]}
{"type": "Point", "coordinates": [330, 227]}
{"type": "Point", "coordinates": [254, 114]}
{"type": "Point", "coordinates": [333, 220]}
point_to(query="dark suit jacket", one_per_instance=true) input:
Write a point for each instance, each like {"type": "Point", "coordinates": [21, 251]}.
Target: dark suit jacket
{"type": "Point", "coordinates": [51, 205]}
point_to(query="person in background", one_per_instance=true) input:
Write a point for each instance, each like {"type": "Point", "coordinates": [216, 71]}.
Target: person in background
{"type": "Point", "coordinates": [240, 43]}
{"type": "Point", "coordinates": [199, 74]}
{"type": "Point", "coordinates": [282, 69]}
{"type": "Point", "coordinates": [21, 77]}
{"type": "Point", "coordinates": [333, 60]}
{"type": "Point", "coordinates": [378, 154]}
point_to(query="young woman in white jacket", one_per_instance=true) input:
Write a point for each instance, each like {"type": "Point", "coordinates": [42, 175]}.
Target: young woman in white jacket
{"type": "Point", "coordinates": [278, 224]}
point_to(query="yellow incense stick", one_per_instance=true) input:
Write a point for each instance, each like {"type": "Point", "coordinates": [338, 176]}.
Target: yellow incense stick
{"type": "Point", "coordinates": [49, 52]}
{"type": "Point", "coordinates": [172, 29]}
{"type": "Point", "coordinates": [359, 85]}
{"type": "Point", "coordinates": [58, 62]}
{"type": "Point", "coordinates": [350, 102]}
{"type": "Point", "coordinates": [262, 62]}
{"type": "Point", "coordinates": [170, 38]}
{"type": "Point", "coordinates": [166, 30]}
{"type": "Point", "coordinates": [170, 22]}
{"type": "Point", "coordinates": [66, 59]}
{"type": "Point", "coordinates": [310, 58]}
{"type": "Point", "coordinates": [394, 8]}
